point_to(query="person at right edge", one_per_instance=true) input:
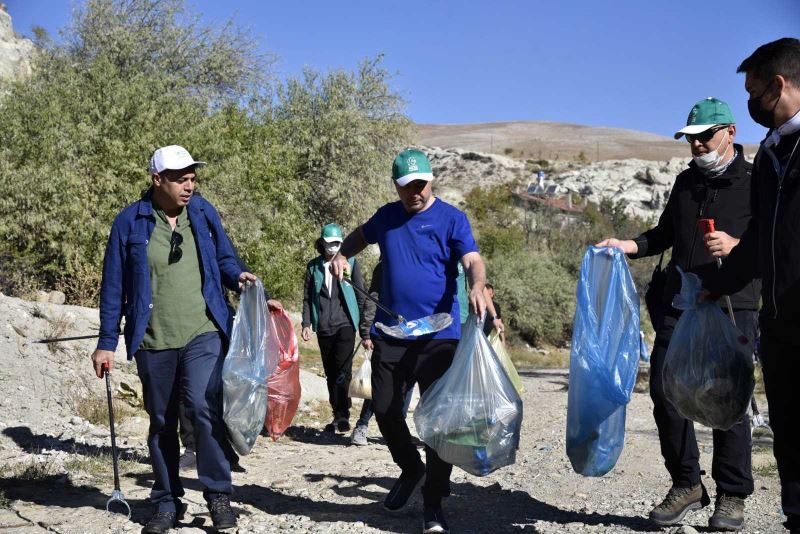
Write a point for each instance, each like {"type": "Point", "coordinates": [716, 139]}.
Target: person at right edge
{"type": "Point", "coordinates": [716, 186]}
{"type": "Point", "coordinates": [422, 239]}
{"type": "Point", "coordinates": [770, 248]}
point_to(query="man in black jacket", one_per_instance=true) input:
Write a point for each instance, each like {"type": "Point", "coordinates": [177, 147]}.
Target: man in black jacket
{"type": "Point", "coordinates": [716, 185]}
{"type": "Point", "coordinates": [770, 248]}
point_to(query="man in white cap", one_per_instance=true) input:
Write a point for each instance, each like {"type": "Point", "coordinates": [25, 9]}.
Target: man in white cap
{"type": "Point", "coordinates": [715, 186]}
{"type": "Point", "coordinates": [165, 266]}
{"type": "Point", "coordinates": [422, 239]}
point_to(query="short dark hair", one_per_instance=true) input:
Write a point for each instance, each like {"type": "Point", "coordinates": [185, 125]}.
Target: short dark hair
{"type": "Point", "coordinates": [487, 285]}
{"type": "Point", "coordinates": [778, 57]}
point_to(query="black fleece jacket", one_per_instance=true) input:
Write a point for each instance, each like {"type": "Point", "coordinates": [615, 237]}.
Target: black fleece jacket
{"type": "Point", "coordinates": [770, 248]}
{"type": "Point", "coordinates": [726, 199]}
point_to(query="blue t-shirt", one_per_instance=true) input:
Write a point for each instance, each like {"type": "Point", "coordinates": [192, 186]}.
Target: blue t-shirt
{"type": "Point", "coordinates": [420, 254]}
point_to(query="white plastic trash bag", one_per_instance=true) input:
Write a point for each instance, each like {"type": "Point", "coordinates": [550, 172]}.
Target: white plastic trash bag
{"type": "Point", "coordinates": [361, 383]}
{"type": "Point", "coordinates": [472, 415]}
{"type": "Point", "coordinates": [708, 368]}
{"type": "Point", "coordinates": [246, 370]}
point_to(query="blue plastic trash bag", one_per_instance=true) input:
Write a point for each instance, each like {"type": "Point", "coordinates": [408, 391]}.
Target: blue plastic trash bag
{"type": "Point", "coordinates": [472, 415]}
{"type": "Point", "coordinates": [708, 369]}
{"type": "Point", "coordinates": [247, 367]}
{"type": "Point", "coordinates": [603, 362]}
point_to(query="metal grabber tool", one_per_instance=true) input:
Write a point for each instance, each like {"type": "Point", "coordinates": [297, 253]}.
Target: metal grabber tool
{"type": "Point", "coordinates": [116, 495]}
{"type": "Point", "coordinates": [757, 420]}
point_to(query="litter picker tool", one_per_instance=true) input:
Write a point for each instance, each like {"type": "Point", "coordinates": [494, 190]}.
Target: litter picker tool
{"type": "Point", "coordinates": [73, 338]}
{"type": "Point", "coordinates": [116, 495]}
{"type": "Point", "coordinates": [405, 329]}
{"type": "Point", "coordinates": [707, 226]}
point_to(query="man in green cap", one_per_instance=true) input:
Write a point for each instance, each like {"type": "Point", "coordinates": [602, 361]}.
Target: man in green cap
{"type": "Point", "coordinates": [422, 240]}
{"type": "Point", "coordinates": [332, 310]}
{"type": "Point", "coordinates": [715, 186]}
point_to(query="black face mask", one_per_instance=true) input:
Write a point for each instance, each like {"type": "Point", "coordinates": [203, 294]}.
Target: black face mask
{"type": "Point", "coordinates": [758, 112]}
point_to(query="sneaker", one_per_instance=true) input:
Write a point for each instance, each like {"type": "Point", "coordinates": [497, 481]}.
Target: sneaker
{"type": "Point", "coordinates": [343, 425]}
{"type": "Point", "coordinates": [359, 436]}
{"type": "Point", "coordinates": [330, 427]}
{"type": "Point", "coordinates": [728, 513]}
{"type": "Point", "coordinates": [404, 486]}
{"type": "Point", "coordinates": [677, 502]}
{"type": "Point", "coordinates": [222, 515]}
{"type": "Point", "coordinates": [162, 522]}
{"type": "Point", "coordinates": [187, 461]}
{"type": "Point", "coordinates": [433, 520]}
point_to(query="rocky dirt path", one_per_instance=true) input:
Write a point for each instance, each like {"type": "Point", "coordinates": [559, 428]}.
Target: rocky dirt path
{"type": "Point", "coordinates": [55, 470]}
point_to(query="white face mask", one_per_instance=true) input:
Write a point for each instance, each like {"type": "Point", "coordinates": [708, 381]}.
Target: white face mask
{"type": "Point", "coordinates": [712, 159]}
{"type": "Point", "coordinates": [333, 248]}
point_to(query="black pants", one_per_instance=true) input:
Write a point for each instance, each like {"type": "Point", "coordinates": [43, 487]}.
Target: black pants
{"type": "Point", "coordinates": [396, 365]}
{"type": "Point", "coordinates": [780, 361]}
{"type": "Point", "coordinates": [336, 350]}
{"type": "Point", "coordinates": [731, 466]}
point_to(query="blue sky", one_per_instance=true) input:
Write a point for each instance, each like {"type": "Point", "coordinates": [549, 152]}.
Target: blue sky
{"type": "Point", "coordinates": [620, 63]}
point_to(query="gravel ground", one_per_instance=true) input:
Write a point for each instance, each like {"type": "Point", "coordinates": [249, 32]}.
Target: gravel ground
{"type": "Point", "coordinates": [55, 472]}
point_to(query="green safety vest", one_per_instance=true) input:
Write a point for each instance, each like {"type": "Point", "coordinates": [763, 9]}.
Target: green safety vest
{"type": "Point", "coordinates": [351, 305]}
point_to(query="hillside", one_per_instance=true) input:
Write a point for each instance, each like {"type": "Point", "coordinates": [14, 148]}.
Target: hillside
{"type": "Point", "coordinates": [15, 52]}
{"type": "Point", "coordinates": [553, 141]}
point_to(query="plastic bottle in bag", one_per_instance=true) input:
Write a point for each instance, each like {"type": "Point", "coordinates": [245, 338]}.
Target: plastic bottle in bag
{"type": "Point", "coordinates": [245, 371]}
{"type": "Point", "coordinates": [472, 415]}
{"type": "Point", "coordinates": [708, 369]}
{"type": "Point", "coordinates": [603, 362]}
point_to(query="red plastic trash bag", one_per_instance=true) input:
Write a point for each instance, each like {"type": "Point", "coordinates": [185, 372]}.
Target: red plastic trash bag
{"type": "Point", "coordinates": [283, 386]}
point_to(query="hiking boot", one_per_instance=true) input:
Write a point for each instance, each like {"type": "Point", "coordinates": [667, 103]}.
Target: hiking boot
{"type": "Point", "coordinates": [728, 513]}
{"type": "Point", "coordinates": [677, 502]}
{"type": "Point", "coordinates": [433, 520]}
{"type": "Point", "coordinates": [342, 425]}
{"type": "Point", "coordinates": [187, 461]}
{"type": "Point", "coordinates": [162, 522]}
{"type": "Point", "coordinates": [359, 436]}
{"type": "Point", "coordinates": [404, 486]}
{"type": "Point", "coordinates": [222, 515]}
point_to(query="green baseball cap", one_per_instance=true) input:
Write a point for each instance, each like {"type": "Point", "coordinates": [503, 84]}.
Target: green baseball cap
{"type": "Point", "coordinates": [706, 114]}
{"type": "Point", "coordinates": [331, 232]}
{"type": "Point", "coordinates": [409, 165]}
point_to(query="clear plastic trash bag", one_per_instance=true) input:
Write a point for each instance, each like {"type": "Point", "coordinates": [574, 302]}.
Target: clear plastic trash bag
{"type": "Point", "coordinates": [284, 384]}
{"type": "Point", "coordinates": [603, 362]}
{"type": "Point", "coordinates": [708, 369]}
{"type": "Point", "coordinates": [472, 415]}
{"type": "Point", "coordinates": [245, 371]}
{"type": "Point", "coordinates": [418, 327]}
{"type": "Point", "coordinates": [505, 360]}
{"type": "Point", "coordinates": [361, 383]}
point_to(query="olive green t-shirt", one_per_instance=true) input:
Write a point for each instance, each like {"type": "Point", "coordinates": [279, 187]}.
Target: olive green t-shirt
{"type": "Point", "coordinates": [179, 311]}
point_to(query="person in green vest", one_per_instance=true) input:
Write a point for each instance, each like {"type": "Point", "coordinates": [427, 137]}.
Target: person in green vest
{"type": "Point", "coordinates": [332, 309]}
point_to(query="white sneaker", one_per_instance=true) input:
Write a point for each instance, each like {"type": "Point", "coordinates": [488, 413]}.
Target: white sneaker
{"type": "Point", "coordinates": [359, 436]}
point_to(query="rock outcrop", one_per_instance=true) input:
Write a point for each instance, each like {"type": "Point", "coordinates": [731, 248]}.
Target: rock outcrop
{"type": "Point", "coordinates": [15, 52]}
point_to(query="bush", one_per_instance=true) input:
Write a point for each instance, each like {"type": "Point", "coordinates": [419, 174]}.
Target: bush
{"type": "Point", "coordinates": [537, 295]}
{"type": "Point", "coordinates": [134, 75]}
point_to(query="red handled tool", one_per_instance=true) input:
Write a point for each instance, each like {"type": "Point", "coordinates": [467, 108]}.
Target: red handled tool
{"type": "Point", "coordinates": [707, 226]}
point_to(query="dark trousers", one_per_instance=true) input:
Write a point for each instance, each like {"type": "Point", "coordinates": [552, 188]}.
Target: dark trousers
{"type": "Point", "coordinates": [366, 408]}
{"type": "Point", "coordinates": [396, 365]}
{"type": "Point", "coordinates": [731, 466]}
{"type": "Point", "coordinates": [337, 352]}
{"type": "Point", "coordinates": [192, 374]}
{"type": "Point", "coordinates": [780, 361]}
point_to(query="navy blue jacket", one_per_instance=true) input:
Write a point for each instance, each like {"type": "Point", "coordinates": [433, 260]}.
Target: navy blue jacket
{"type": "Point", "coordinates": [126, 288]}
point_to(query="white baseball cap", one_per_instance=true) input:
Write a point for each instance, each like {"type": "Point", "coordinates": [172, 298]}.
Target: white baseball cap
{"type": "Point", "coordinates": [172, 157]}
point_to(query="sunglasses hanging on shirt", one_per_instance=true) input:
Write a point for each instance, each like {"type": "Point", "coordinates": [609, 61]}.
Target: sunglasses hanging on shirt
{"type": "Point", "coordinates": [175, 252]}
